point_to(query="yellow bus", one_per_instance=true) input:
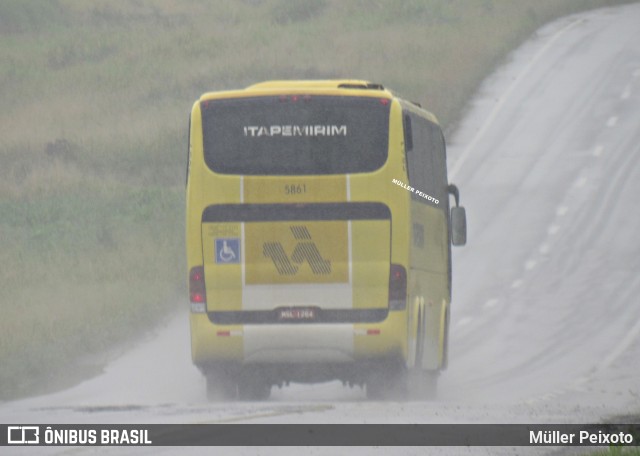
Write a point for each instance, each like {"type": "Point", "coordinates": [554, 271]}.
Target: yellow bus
{"type": "Point", "coordinates": [318, 233]}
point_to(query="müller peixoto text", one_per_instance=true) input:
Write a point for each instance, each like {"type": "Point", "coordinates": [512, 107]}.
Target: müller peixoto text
{"type": "Point", "coordinates": [417, 192]}
{"type": "Point", "coordinates": [580, 438]}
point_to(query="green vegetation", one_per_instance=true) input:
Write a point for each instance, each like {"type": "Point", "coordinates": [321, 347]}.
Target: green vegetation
{"type": "Point", "coordinates": [95, 98]}
{"type": "Point", "coordinates": [618, 451]}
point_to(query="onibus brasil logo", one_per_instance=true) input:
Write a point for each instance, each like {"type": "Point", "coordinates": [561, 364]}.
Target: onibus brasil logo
{"type": "Point", "coordinates": [305, 250]}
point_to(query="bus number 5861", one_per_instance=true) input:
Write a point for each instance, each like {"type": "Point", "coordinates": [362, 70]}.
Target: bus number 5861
{"type": "Point", "coordinates": [295, 189]}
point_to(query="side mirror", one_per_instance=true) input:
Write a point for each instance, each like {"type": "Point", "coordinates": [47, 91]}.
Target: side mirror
{"type": "Point", "coordinates": [458, 218]}
{"type": "Point", "coordinates": [458, 226]}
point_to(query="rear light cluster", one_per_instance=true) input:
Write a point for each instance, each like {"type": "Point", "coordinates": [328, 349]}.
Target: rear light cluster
{"type": "Point", "coordinates": [197, 290]}
{"type": "Point", "coordinates": [397, 287]}
{"type": "Point", "coordinates": [367, 332]}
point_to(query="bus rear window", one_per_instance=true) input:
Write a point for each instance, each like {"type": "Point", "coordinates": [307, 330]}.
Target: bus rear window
{"type": "Point", "coordinates": [295, 135]}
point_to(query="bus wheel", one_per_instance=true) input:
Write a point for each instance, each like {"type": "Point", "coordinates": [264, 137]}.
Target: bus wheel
{"type": "Point", "coordinates": [220, 386]}
{"type": "Point", "coordinates": [253, 388]}
{"type": "Point", "coordinates": [423, 385]}
{"type": "Point", "coordinates": [387, 385]}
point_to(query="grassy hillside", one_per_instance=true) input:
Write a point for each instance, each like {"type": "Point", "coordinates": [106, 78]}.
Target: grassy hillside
{"type": "Point", "coordinates": [94, 103]}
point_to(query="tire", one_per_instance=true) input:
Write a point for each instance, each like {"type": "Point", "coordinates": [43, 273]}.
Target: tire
{"type": "Point", "coordinates": [220, 386]}
{"type": "Point", "coordinates": [388, 384]}
{"type": "Point", "coordinates": [253, 388]}
{"type": "Point", "coordinates": [423, 385]}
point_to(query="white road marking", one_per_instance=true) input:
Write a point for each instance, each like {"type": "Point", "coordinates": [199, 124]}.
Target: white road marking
{"type": "Point", "coordinates": [578, 385]}
{"type": "Point", "coordinates": [490, 303]}
{"type": "Point", "coordinates": [580, 182]}
{"type": "Point", "coordinates": [622, 346]}
{"type": "Point", "coordinates": [496, 109]}
{"type": "Point", "coordinates": [529, 265]}
{"type": "Point", "coordinates": [598, 150]}
{"type": "Point", "coordinates": [553, 229]}
{"type": "Point", "coordinates": [636, 74]}
{"type": "Point", "coordinates": [544, 249]}
{"type": "Point", "coordinates": [464, 321]}
{"type": "Point", "coordinates": [626, 93]}
{"type": "Point", "coordinates": [613, 120]}
{"type": "Point", "coordinates": [516, 283]}
{"type": "Point", "coordinates": [561, 211]}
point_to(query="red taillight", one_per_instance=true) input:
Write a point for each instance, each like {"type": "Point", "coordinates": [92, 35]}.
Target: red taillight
{"type": "Point", "coordinates": [397, 287]}
{"type": "Point", "coordinates": [294, 98]}
{"type": "Point", "coordinates": [197, 290]}
{"type": "Point", "coordinates": [384, 101]}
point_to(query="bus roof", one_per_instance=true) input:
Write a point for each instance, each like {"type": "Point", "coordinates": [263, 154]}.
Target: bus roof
{"type": "Point", "coordinates": [331, 86]}
{"type": "Point", "coordinates": [317, 84]}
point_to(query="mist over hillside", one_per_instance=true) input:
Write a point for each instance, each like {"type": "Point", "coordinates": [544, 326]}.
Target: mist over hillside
{"type": "Point", "coordinates": [95, 99]}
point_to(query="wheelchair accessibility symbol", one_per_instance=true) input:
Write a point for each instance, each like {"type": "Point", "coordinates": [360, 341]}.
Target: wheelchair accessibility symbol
{"type": "Point", "coordinates": [227, 250]}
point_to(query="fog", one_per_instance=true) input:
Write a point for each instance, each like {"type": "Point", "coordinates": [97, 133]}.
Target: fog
{"type": "Point", "coordinates": [545, 317]}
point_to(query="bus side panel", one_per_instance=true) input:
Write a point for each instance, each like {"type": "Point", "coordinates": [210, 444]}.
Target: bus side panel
{"type": "Point", "coordinates": [428, 281]}
{"type": "Point", "coordinates": [193, 192]}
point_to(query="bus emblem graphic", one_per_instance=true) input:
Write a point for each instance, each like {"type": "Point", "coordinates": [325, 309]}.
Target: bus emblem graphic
{"type": "Point", "coordinates": [305, 250]}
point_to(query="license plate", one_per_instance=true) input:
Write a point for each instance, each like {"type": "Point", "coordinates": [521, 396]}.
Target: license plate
{"type": "Point", "coordinates": [297, 313]}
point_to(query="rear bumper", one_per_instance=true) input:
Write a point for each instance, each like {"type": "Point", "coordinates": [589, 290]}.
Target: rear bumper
{"type": "Point", "coordinates": [336, 316]}
{"type": "Point", "coordinates": [297, 343]}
